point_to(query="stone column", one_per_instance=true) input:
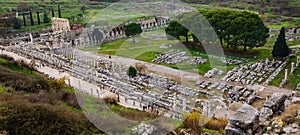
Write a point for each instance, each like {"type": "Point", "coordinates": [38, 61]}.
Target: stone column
{"type": "Point", "coordinates": [95, 63]}
{"type": "Point", "coordinates": [69, 82]}
{"type": "Point", "coordinates": [113, 68]}
{"type": "Point", "coordinates": [292, 67]}
{"type": "Point", "coordinates": [120, 69]}
{"type": "Point", "coordinates": [298, 61]}
{"type": "Point", "coordinates": [79, 85]}
{"type": "Point", "coordinates": [286, 74]}
{"type": "Point", "coordinates": [31, 39]}
{"type": "Point", "coordinates": [184, 105]}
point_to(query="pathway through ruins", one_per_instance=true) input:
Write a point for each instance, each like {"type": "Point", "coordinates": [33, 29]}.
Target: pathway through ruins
{"type": "Point", "coordinates": [76, 83]}
{"type": "Point", "coordinates": [185, 77]}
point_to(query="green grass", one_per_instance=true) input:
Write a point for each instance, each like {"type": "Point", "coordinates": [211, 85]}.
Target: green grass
{"type": "Point", "coordinates": [132, 113]}
{"type": "Point", "coordinates": [205, 130]}
{"type": "Point", "coordinates": [2, 89]}
{"type": "Point", "coordinates": [32, 28]}
{"type": "Point", "coordinates": [294, 23]}
{"type": "Point", "coordinates": [72, 108]}
{"type": "Point", "coordinates": [271, 42]}
{"type": "Point", "coordinates": [293, 79]}
{"type": "Point", "coordinates": [15, 67]}
{"type": "Point", "coordinates": [68, 89]}
{"type": "Point", "coordinates": [147, 50]}
{"type": "Point", "coordinates": [147, 56]}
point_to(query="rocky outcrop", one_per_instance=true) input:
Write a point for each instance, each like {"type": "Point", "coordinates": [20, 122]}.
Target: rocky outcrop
{"type": "Point", "coordinates": [274, 105]}
{"type": "Point", "coordinates": [243, 122]}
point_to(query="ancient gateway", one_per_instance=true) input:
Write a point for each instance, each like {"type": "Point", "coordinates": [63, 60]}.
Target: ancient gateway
{"type": "Point", "coordinates": [60, 24]}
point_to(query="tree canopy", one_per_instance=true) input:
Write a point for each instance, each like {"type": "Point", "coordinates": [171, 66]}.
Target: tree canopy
{"type": "Point", "coordinates": [16, 23]}
{"type": "Point", "coordinates": [280, 48]}
{"type": "Point", "coordinates": [31, 18]}
{"type": "Point", "coordinates": [175, 30]}
{"type": "Point", "coordinates": [236, 28]}
{"type": "Point", "coordinates": [46, 18]}
{"type": "Point", "coordinates": [38, 17]}
{"type": "Point", "coordinates": [133, 29]}
{"type": "Point", "coordinates": [233, 28]}
{"type": "Point", "coordinates": [59, 12]}
{"type": "Point", "coordinates": [132, 72]}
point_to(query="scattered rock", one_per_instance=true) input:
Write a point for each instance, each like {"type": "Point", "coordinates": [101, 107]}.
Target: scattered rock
{"type": "Point", "coordinates": [243, 121]}
{"type": "Point", "coordinates": [296, 100]}
{"type": "Point", "coordinates": [265, 114]}
{"type": "Point", "coordinates": [289, 130]}
{"type": "Point", "coordinates": [274, 105]}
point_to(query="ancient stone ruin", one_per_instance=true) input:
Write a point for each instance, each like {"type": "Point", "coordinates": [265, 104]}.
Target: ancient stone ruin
{"type": "Point", "coordinates": [60, 24]}
{"type": "Point", "coordinates": [274, 105]}
{"type": "Point", "coordinates": [243, 122]}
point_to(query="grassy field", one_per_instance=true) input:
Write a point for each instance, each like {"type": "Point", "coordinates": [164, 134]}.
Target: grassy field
{"type": "Point", "coordinates": [148, 49]}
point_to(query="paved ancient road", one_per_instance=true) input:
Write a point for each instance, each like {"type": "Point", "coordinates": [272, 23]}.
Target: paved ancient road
{"type": "Point", "coordinates": [77, 83]}
{"type": "Point", "coordinates": [187, 78]}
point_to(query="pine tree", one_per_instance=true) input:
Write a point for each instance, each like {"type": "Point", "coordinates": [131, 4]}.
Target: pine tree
{"type": "Point", "coordinates": [16, 24]}
{"type": "Point", "coordinates": [280, 48]}
{"type": "Point", "coordinates": [53, 15]}
{"type": "Point", "coordinates": [24, 20]}
{"type": "Point", "coordinates": [46, 18]}
{"type": "Point", "coordinates": [38, 17]}
{"type": "Point", "coordinates": [59, 13]}
{"type": "Point", "coordinates": [31, 18]}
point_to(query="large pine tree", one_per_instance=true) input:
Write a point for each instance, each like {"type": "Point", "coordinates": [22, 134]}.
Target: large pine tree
{"type": "Point", "coordinates": [31, 18]}
{"type": "Point", "coordinates": [38, 17]}
{"type": "Point", "coordinates": [59, 12]}
{"type": "Point", "coordinates": [46, 18]}
{"type": "Point", "coordinates": [24, 19]}
{"type": "Point", "coordinates": [53, 15]}
{"type": "Point", "coordinates": [16, 24]}
{"type": "Point", "coordinates": [280, 48]}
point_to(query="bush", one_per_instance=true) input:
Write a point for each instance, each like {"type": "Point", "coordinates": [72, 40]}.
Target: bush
{"type": "Point", "coordinates": [132, 72]}
{"type": "Point", "coordinates": [192, 121]}
{"type": "Point", "coordinates": [58, 84]}
{"type": "Point", "coordinates": [110, 100]}
{"type": "Point", "coordinates": [216, 124]}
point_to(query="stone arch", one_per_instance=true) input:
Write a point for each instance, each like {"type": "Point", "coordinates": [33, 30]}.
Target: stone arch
{"type": "Point", "coordinates": [115, 32]}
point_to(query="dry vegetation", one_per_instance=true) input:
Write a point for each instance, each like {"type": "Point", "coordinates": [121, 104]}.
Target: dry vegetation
{"type": "Point", "coordinates": [290, 113]}
{"type": "Point", "coordinates": [31, 105]}
{"type": "Point", "coordinates": [211, 125]}
{"type": "Point", "coordinates": [21, 116]}
{"type": "Point", "coordinates": [216, 124]}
